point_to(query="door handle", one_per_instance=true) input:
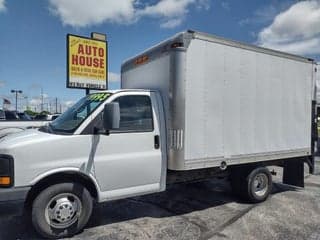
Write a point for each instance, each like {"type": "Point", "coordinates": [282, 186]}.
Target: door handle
{"type": "Point", "coordinates": [156, 142]}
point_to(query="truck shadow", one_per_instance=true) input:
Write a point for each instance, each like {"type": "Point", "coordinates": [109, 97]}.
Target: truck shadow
{"type": "Point", "coordinates": [179, 199]}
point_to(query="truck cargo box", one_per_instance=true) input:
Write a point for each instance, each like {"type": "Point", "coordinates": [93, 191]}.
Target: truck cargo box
{"type": "Point", "coordinates": [227, 101]}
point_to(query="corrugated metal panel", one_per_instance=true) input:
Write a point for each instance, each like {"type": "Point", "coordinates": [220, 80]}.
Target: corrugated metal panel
{"type": "Point", "coordinates": [244, 102]}
{"type": "Point", "coordinates": [176, 139]}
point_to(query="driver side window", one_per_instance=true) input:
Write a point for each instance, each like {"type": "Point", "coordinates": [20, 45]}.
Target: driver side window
{"type": "Point", "coordinates": [135, 113]}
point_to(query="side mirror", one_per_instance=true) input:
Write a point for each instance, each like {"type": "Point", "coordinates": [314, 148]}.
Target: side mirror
{"type": "Point", "coordinates": [111, 116]}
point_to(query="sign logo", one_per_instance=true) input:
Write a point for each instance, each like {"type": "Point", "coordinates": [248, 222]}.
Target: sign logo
{"type": "Point", "coordinates": [86, 63]}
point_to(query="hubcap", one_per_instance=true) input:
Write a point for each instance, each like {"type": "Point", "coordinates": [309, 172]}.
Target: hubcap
{"type": "Point", "coordinates": [260, 184]}
{"type": "Point", "coordinates": [63, 210]}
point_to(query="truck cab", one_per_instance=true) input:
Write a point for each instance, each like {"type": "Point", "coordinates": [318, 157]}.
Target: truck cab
{"type": "Point", "coordinates": [117, 158]}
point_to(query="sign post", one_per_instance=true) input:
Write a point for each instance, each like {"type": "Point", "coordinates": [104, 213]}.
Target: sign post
{"type": "Point", "coordinates": [87, 66]}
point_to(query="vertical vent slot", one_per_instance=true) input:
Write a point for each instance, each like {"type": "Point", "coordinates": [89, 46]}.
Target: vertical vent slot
{"type": "Point", "coordinates": [176, 139]}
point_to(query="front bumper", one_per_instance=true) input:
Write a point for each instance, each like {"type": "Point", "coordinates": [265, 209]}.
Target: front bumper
{"type": "Point", "coordinates": [12, 200]}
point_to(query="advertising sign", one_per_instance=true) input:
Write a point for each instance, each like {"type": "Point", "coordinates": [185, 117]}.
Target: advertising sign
{"type": "Point", "coordinates": [86, 63]}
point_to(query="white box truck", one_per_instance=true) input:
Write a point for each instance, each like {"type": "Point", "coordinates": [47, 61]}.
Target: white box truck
{"type": "Point", "coordinates": [195, 106]}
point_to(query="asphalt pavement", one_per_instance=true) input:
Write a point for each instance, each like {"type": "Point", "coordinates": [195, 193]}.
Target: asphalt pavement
{"type": "Point", "coordinates": [199, 211]}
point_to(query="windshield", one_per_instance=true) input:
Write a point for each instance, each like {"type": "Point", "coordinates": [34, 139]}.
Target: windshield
{"type": "Point", "coordinates": [70, 120]}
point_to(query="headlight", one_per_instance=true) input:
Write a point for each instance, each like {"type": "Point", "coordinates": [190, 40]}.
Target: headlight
{"type": "Point", "coordinates": [6, 171]}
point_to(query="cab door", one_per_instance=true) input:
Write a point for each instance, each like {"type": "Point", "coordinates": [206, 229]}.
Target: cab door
{"type": "Point", "coordinates": [129, 161]}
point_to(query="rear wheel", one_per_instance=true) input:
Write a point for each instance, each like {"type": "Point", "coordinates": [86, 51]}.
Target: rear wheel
{"type": "Point", "coordinates": [253, 185]}
{"type": "Point", "coordinates": [61, 210]}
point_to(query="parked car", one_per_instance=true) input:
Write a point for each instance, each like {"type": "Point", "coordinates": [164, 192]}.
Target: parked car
{"type": "Point", "coordinates": [46, 117]}
{"type": "Point", "coordinates": [52, 117]}
{"type": "Point", "coordinates": [2, 115]}
{"type": "Point", "coordinates": [12, 122]}
{"type": "Point", "coordinates": [7, 115]}
{"type": "Point", "coordinates": [24, 116]}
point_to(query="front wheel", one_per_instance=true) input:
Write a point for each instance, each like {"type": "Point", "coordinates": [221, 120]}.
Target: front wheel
{"type": "Point", "coordinates": [61, 210]}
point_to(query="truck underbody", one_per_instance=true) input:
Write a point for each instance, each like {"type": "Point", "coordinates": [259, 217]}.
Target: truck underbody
{"type": "Point", "coordinates": [293, 171]}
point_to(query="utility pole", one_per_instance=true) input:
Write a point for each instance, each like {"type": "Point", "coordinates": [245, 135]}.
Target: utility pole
{"type": "Point", "coordinates": [56, 105]}
{"type": "Point", "coordinates": [41, 99]}
{"type": "Point", "coordinates": [27, 103]}
{"type": "Point", "coordinates": [16, 92]}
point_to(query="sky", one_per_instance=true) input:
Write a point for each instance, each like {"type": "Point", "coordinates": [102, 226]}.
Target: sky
{"type": "Point", "coordinates": [33, 34]}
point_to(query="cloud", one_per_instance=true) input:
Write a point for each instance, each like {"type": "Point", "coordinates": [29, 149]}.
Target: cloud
{"type": "Point", "coordinates": [113, 77]}
{"type": "Point", "coordinates": [167, 8]}
{"type": "Point", "coordinates": [244, 21]}
{"type": "Point", "coordinates": [35, 101]}
{"type": "Point", "coordinates": [2, 83]}
{"type": "Point", "coordinates": [84, 13]}
{"type": "Point", "coordinates": [295, 30]}
{"type": "Point", "coordinates": [2, 6]}
{"type": "Point", "coordinates": [35, 86]}
{"type": "Point", "coordinates": [172, 12]}
{"type": "Point", "coordinates": [68, 103]}
{"type": "Point", "coordinates": [44, 95]}
{"type": "Point", "coordinates": [225, 5]}
{"type": "Point", "coordinates": [81, 13]}
{"type": "Point", "coordinates": [203, 4]}
{"type": "Point", "coordinates": [266, 14]}
{"type": "Point", "coordinates": [171, 23]}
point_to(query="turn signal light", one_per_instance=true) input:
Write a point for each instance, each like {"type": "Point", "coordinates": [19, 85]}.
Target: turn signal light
{"type": "Point", "coordinates": [141, 60]}
{"type": "Point", "coordinates": [5, 181]}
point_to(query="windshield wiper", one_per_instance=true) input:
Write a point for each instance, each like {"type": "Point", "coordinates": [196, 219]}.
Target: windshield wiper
{"type": "Point", "coordinates": [46, 128]}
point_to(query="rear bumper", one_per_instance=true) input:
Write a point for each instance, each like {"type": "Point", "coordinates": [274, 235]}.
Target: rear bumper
{"type": "Point", "coordinates": [12, 200]}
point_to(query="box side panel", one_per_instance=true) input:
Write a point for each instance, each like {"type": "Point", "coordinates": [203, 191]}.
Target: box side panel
{"type": "Point", "coordinates": [197, 124]}
{"type": "Point", "coordinates": [244, 103]}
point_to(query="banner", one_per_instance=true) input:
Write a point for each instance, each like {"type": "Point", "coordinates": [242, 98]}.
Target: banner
{"type": "Point", "coordinates": [86, 63]}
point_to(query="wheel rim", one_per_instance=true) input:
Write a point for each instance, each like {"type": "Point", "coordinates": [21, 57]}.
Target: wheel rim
{"type": "Point", "coordinates": [260, 184]}
{"type": "Point", "coordinates": [63, 210]}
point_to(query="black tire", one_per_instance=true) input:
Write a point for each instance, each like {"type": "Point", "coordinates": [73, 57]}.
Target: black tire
{"type": "Point", "coordinates": [60, 195]}
{"type": "Point", "coordinates": [244, 184]}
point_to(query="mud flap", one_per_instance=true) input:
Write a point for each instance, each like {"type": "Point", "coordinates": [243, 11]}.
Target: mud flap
{"type": "Point", "coordinates": [314, 137]}
{"type": "Point", "coordinates": [293, 172]}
